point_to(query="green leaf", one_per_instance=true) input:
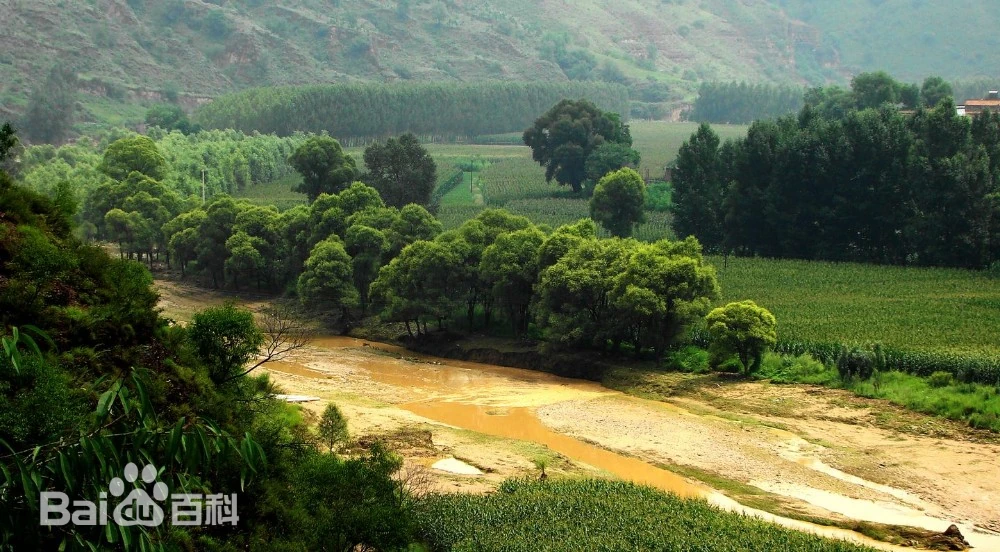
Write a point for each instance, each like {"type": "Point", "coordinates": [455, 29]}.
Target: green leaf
{"type": "Point", "coordinates": [64, 466]}
{"type": "Point", "coordinates": [104, 403]}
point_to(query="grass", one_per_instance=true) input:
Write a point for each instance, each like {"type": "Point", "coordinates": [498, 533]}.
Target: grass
{"type": "Point", "coordinates": [972, 403]}
{"type": "Point", "coordinates": [278, 193]}
{"type": "Point", "coordinates": [572, 514]}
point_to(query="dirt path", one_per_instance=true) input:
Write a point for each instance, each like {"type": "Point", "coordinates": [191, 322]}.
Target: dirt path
{"type": "Point", "coordinates": [804, 452]}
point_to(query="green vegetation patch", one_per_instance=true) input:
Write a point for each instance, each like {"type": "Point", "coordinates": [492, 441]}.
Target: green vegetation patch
{"type": "Point", "coordinates": [920, 309]}
{"type": "Point", "coordinates": [577, 515]}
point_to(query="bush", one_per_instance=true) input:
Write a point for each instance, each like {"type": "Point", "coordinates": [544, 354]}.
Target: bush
{"type": "Point", "coordinates": [855, 363]}
{"type": "Point", "coordinates": [940, 379]}
{"type": "Point", "coordinates": [801, 369]}
{"type": "Point", "coordinates": [690, 359]}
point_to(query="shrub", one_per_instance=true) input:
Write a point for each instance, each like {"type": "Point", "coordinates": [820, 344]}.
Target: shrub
{"type": "Point", "coordinates": [801, 369]}
{"type": "Point", "coordinates": [690, 359]}
{"type": "Point", "coordinates": [940, 379]}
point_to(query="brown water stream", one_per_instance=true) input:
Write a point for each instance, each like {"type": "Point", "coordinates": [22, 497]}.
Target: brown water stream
{"type": "Point", "coordinates": [500, 402]}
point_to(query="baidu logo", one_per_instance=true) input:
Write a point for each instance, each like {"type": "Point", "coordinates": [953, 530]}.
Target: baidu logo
{"type": "Point", "coordinates": [139, 507]}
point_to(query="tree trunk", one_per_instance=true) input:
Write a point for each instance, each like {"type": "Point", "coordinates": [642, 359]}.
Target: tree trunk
{"type": "Point", "coordinates": [408, 329]}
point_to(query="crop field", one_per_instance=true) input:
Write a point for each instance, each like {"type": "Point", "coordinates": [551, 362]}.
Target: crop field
{"type": "Point", "coordinates": [576, 515]}
{"type": "Point", "coordinates": [658, 142]}
{"type": "Point", "coordinates": [918, 309]}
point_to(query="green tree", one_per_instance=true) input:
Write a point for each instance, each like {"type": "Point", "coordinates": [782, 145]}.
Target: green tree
{"type": "Point", "coordinates": [562, 139]}
{"type": "Point", "coordinates": [419, 283]}
{"type": "Point", "coordinates": [170, 117]}
{"type": "Point", "coordinates": [134, 154]}
{"type": "Point", "coordinates": [401, 170]}
{"type": "Point", "coordinates": [608, 158]}
{"type": "Point", "coordinates": [414, 223]}
{"type": "Point", "coordinates": [332, 426]}
{"type": "Point", "coordinates": [573, 295]}
{"type": "Point", "coordinates": [742, 329]}
{"type": "Point", "coordinates": [875, 89]}
{"type": "Point", "coordinates": [699, 189]}
{"type": "Point", "coordinates": [509, 268]}
{"type": "Point", "coordinates": [52, 107]}
{"type": "Point", "coordinates": [367, 247]}
{"type": "Point", "coordinates": [934, 90]}
{"type": "Point", "coordinates": [619, 201]}
{"type": "Point", "coordinates": [660, 291]}
{"type": "Point", "coordinates": [324, 167]}
{"type": "Point", "coordinates": [327, 281]}
{"type": "Point", "coordinates": [8, 140]}
{"type": "Point", "coordinates": [227, 339]}
{"type": "Point", "coordinates": [213, 232]}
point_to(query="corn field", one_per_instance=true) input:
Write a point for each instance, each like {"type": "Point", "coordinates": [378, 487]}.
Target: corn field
{"type": "Point", "coordinates": [926, 319]}
{"type": "Point", "coordinates": [574, 515]}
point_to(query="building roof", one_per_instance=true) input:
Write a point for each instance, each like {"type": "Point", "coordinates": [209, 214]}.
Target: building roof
{"type": "Point", "coordinates": [982, 103]}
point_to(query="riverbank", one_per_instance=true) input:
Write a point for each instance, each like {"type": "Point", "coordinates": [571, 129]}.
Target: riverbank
{"type": "Point", "coordinates": [805, 452]}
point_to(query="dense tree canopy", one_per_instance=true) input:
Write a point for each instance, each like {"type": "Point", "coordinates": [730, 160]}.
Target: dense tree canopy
{"type": "Point", "coordinates": [446, 109]}
{"type": "Point", "coordinates": [699, 188]}
{"type": "Point", "coordinates": [563, 139]}
{"type": "Point", "coordinates": [872, 185]}
{"type": "Point", "coordinates": [324, 167]}
{"type": "Point", "coordinates": [619, 202]}
{"type": "Point", "coordinates": [134, 154]}
{"type": "Point", "coordinates": [52, 109]}
{"type": "Point", "coordinates": [743, 330]}
{"type": "Point", "coordinates": [401, 170]}
{"type": "Point", "coordinates": [742, 103]}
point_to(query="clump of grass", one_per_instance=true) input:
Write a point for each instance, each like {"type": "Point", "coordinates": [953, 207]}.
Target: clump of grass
{"type": "Point", "coordinates": [976, 404]}
{"type": "Point", "coordinates": [796, 369]}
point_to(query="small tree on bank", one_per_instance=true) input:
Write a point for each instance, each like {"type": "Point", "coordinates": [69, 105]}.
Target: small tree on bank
{"type": "Point", "coordinates": [618, 202]}
{"type": "Point", "coordinates": [333, 427]}
{"type": "Point", "coordinates": [743, 330]}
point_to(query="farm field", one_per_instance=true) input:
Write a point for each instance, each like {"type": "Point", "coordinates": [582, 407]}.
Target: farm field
{"type": "Point", "coordinates": [659, 141]}
{"type": "Point", "coordinates": [513, 181]}
{"type": "Point", "coordinates": [921, 309]}
{"type": "Point", "coordinates": [599, 509]}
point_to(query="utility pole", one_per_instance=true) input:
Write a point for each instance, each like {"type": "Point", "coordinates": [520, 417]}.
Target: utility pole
{"type": "Point", "coordinates": [203, 186]}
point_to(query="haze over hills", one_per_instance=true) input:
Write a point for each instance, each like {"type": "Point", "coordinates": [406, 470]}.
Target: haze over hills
{"type": "Point", "coordinates": [193, 49]}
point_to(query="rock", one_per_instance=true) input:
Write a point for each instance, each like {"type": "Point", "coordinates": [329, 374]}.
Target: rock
{"type": "Point", "coordinates": [951, 539]}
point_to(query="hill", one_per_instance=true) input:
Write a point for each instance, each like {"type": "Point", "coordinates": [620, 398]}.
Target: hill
{"type": "Point", "coordinates": [192, 50]}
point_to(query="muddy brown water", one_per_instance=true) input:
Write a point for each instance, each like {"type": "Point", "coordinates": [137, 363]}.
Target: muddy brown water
{"type": "Point", "coordinates": [500, 402]}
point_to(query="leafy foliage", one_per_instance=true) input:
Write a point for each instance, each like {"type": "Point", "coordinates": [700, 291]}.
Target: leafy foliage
{"type": "Point", "coordinates": [424, 109]}
{"type": "Point", "coordinates": [401, 170]}
{"type": "Point", "coordinates": [742, 329]}
{"type": "Point", "coordinates": [324, 167]}
{"type": "Point", "coordinates": [332, 426]}
{"type": "Point", "coordinates": [870, 185]}
{"type": "Point", "coordinates": [742, 103]}
{"type": "Point", "coordinates": [563, 139]}
{"type": "Point", "coordinates": [619, 201]}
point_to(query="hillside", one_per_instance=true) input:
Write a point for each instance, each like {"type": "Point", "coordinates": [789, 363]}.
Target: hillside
{"type": "Point", "coordinates": [191, 50]}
